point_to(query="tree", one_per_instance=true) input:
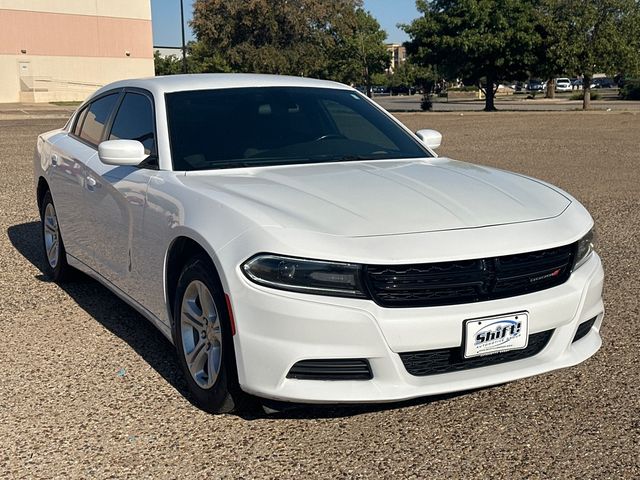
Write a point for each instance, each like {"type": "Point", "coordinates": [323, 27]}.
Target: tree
{"type": "Point", "coordinates": [273, 36]}
{"type": "Point", "coordinates": [360, 52]}
{"type": "Point", "coordinates": [553, 51]}
{"type": "Point", "coordinates": [199, 60]}
{"type": "Point", "coordinates": [484, 41]}
{"type": "Point", "coordinates": [600, 36]}
{"type": "Point", "coordinates": [169, 65]}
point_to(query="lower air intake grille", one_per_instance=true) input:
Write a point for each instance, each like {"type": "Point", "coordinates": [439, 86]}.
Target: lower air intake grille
{"type": "Point", "coordinates": [332, 369]}
{"type": "Point", "coordinates": [447, 360]}
{"type": "Point", "coordinates": [583, 329]}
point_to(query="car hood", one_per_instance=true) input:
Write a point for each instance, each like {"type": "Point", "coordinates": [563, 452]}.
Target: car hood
{"type": "Point", "coordinates": [383, 197]}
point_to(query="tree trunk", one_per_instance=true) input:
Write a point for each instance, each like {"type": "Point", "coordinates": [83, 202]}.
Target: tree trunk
{"type": "Point", "coordinates": [489, 94]}
{"type": "Point", "coordinates": [586, 92]}
{"type": "Point", "coordinates": [367, 81]}
{"type": "Point", "coordinates": [551, 88]}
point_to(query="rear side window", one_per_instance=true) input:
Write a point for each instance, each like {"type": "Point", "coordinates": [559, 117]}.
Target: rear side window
{"type": "Point", "coordinates": [96, 118]}
{"type": "Point", "coordinates": [134, 121]}
{"type": "Point", "coordinates": [79, 120]}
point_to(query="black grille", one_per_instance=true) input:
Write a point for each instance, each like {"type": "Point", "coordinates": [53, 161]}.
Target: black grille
{"type": "Point", "coordinates": [584, 328]}
{"type": "Point", "coordinates": [446, 360]}
{"type": "Point", "coordinates": [447, 283]}
{"type": "Point", "coordinates": [332, 369]}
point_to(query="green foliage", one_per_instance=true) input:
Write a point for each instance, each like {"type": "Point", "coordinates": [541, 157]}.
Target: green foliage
{"type": "Point", "coordinates": [598, 35]}
{"type": "Point", "coordinates": [426, 105]}
{"type": "Point", "coordinates": [334, 39]}
{"type": "Point", "coordinates": [591, 36]}
{"type": "Point", "coordinates": [407, 75]}
{"type": "Point", "coordinates": [631, 90]}
{"type": "Point", "coordinates": [199, 60]}
{"type": "Point", "coordinates": [580, 95]}
{"type": "Point", "coordinates": [480, 40]}
{"type": "Point", "coordinates": [166, 65]}
{"type": "Point", "coordinates": [360, 53]}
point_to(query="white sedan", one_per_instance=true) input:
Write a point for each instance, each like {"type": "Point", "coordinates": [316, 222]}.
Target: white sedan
{"type": "Point", "coordinates": [297, 243]}
{"type": "Point", "coordinates": [563, 85]}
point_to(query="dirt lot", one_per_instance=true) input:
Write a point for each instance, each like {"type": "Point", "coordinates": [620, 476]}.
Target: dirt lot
{"type": "Point", "coordinates": [89, 389]}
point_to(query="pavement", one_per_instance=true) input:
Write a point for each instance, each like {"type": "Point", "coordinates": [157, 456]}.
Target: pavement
{"type": "Point", "coordinates": [21, 111]}
{"type": "Point", "coordinates": [89, 389]}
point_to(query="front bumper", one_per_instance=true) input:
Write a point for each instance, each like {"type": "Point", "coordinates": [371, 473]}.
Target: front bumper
{"type": "Point", "coordinates": [276, 329]}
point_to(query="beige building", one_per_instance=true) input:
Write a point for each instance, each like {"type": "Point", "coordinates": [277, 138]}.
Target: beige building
{"type": "Point", "coordinates": [398, 55]}
{"type": "Point", "coordinates": [63, 50]}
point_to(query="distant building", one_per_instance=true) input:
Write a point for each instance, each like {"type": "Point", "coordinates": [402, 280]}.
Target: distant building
{"type": "Point", "coordinates": [53, 50]}
{"type": "Point", "coordinates": [398, 55]}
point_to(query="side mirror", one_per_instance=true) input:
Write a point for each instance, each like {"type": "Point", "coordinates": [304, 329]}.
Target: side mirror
{"type": "Point", "coordinates": [431, 138]}
{"type": "Point", "coordinates": [121, 152]}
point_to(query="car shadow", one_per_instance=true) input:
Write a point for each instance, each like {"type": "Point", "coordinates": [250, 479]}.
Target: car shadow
{"type": "Point", "coordinates": [147, 341]}
{"type": "Point", "coordinates": [105, 307]}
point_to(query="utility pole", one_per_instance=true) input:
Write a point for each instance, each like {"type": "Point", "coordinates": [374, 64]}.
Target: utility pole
{"type": "Point", "coordinates": [184, 45]}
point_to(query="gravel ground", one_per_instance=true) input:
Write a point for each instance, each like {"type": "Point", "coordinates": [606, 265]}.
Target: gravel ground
{"type": "Point", "coordinates": [89, 389]}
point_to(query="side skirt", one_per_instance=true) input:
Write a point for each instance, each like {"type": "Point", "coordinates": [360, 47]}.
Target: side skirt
{"type": "Point", "coordinates": [164, 329]}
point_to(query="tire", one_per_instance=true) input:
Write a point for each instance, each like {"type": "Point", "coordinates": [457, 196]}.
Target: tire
{"type": "Point", "coordinates": [203, 339]}
{"type": "Point", "coordinates": [56, 266]}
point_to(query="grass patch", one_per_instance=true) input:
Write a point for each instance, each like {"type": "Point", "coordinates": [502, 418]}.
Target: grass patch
{"type": "Point", "coordinates": [66, 104]}
{"type": "Point", "coordinates": [580, 96]}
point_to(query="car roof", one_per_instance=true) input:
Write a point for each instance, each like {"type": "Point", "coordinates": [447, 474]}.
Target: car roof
{"type": "Point", "coordinates": [208, 81]}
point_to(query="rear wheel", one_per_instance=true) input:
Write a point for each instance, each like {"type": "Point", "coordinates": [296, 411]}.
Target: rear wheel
{"type": "Point", "coordinates": [202, 335]}
{"type": "Point", "coordinates": [55, 254]}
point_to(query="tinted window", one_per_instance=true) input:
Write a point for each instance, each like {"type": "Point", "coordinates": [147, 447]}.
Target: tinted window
{"type": "Point", "coordinates": [134, 121]}
{"type": "Point", "coordinates": [96, 118]}
{"type": "Point", "coordinates": [239, 127]}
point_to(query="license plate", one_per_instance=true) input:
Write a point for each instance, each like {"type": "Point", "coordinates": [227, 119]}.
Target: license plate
{"type": "Point", "coordinates": [489, 335]}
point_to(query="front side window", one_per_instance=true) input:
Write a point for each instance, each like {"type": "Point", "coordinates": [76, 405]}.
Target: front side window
{"type": "Point", "coordinates": [242, 127]}
{"type": "Point", "coordinates": [96, 118]}
{"type": "Point", "coordinates": [134, 121]}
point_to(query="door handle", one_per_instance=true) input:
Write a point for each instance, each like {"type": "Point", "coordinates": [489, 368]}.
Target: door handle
{"type": "Point", "coordinates": [91, 182]}
{"type": "Point", "coordinates": [54, 160]}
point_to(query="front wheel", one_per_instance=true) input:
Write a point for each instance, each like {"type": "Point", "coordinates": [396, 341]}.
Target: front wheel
{"type": "Point", "coordinates": [202, 335]}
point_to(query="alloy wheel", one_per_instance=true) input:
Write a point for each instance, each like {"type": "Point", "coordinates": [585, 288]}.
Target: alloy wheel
{"type": "Point", "coordinates": [201, 334]}
{"type": "Point", "coordinates": [51, 235]}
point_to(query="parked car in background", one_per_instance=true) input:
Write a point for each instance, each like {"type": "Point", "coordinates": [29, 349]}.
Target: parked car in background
{"type": "Point", "coordinates": [403, 90]}
{"type": "Point", "coordinates": [563, 84]}
{"type": "Point", "coordinates": [535, 86]}
{"type": "Point", "coordinates": [603, 83]}
{"type": "Point", "coordinates": [296, 242]}
{"type": "Point", "coordinates": [518, 86]}
{"type": "Point", "coordinates": [380, 90]}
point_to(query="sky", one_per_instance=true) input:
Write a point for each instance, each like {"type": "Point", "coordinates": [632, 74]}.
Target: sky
{"type": "Point", "coordinates": [166, 19]}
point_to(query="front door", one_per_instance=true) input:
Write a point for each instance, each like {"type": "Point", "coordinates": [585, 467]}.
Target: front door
{"type": "Point", "coordinates": [117, 197]}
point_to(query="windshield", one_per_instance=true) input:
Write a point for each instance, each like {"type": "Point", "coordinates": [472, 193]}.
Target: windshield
{"type": "Point", "coordinates": [243, 127]}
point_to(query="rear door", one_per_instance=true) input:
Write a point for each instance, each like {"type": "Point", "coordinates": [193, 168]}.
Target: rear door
{"type": "Point", "coordinates": [68, 179]}
{"type": "Point", "coordinates": [117, 196]}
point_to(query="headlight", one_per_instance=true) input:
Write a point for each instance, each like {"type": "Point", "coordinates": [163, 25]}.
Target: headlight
{"type": "Point", "coordinates": [585, 248]}
{"type": "Point", "coordinates": [306, 276]}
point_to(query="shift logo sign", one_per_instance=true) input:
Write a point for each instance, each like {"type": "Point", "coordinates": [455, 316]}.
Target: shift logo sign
{"type": "Point", "coordinates": [499, 332]}
{"type": "Point", "coordinates": [493, 335]}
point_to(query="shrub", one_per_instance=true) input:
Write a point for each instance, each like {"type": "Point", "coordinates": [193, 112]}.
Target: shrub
{"type": "Point", "coordinates": [580, 95]}
{"type": "Point", "coordinates": [631, 90]}
{"type": "Point", "coordinates": [426, 104]}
